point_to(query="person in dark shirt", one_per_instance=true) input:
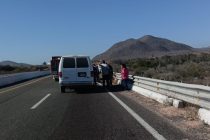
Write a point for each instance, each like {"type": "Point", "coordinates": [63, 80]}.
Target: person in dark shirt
{"type": "Point", "coordinates": [95, 73]}
{"type": "Point", "coordinates": [110, 74]}
{"type": "Point", "coordinates": [104, 69]}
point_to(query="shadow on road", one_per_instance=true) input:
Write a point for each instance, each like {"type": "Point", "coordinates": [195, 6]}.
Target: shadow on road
{"type": "Point", "coordinates": [99, 89]}
{"type": "Point", "coordinates": [116, 88]}
{"type": "Point", "coordinates": [92, 90]}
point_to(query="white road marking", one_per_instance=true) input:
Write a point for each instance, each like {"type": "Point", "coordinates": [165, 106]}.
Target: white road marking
{"type": "Point", "coordinates": [42, 100]}
{"type": "Point", "coordinates": [139, 119]}
{"type": "Point", "coordinates": [23, 85]}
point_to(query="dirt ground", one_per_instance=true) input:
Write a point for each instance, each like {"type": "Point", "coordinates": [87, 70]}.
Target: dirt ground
{"type": "Point", "coordinates": [185, 118]}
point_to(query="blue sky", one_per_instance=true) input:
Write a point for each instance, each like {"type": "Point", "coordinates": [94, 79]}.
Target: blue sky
{"type": "Point", "coordinates": [32, 31]}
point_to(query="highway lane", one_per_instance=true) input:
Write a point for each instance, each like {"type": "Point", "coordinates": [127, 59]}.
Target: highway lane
{"type": "Point", "coordinates": [162, 125]}
{"type": "Point", "coordinates": [18, 121]}
{"type": "Point", "coordinates": [85, 114]}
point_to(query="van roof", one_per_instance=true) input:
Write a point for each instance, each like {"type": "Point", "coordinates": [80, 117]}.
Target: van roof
{"type": "Point", "coordinates": [75, 56]}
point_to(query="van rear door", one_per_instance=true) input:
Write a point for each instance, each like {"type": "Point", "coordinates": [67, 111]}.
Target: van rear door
{"type": "Point", "coordinates": [83, 69]}
{"type": "Point", "coordinates": [69, 70]}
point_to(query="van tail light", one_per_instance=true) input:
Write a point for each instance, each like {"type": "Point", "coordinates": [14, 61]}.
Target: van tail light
{"type": "Point", "coordinates": [92, 73]}
{"type": "Point", "coordinates": [60, 74]}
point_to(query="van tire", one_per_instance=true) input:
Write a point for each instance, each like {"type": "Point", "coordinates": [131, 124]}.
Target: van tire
{"type": "Point", "coordinates": [62, 89]}
{"type": "Point", "coordinates": [56, 80]}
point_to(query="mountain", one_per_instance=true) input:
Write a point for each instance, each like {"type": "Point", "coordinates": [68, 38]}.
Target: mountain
{"type": "Point", "coordinates": [14, 64]}
{"type": "Point", "coordinates": [204, 50]}
{"type": "Point", "coordinates": [144, 47]}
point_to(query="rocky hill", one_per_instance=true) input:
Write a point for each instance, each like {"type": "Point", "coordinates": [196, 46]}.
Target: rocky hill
{"type": "Point", "coordinates": [204, 50]}
{"type": "Point", "coordinates": [144, 47]}
{"type": "Point", "coordinates": [13, 64]}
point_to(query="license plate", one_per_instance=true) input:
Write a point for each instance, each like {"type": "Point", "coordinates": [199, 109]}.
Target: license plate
{"type": "Point", "coordinates": [81, 74]}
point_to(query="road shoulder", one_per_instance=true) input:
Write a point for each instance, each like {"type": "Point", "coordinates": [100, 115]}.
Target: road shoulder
{"type": "Point", "coordinates": [185, 119]}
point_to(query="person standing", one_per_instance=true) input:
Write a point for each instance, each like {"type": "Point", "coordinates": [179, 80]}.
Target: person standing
{"type": "Point", "coordinates": [110, 74]}
{"type": "Point", "coordinates": [124, 76]}
{"type": "Point", "coordinates": [95, 73]}
{"type": "Point", "coordinates": [104, 69]}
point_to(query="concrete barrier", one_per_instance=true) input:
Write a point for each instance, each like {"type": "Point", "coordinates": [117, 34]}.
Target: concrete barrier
{"type": "Point", "coordinates": [204, 115]}
{"type": "Point", "coordinates": [153, 95]}
{"type": "Point", "coordinates": [14, 78]}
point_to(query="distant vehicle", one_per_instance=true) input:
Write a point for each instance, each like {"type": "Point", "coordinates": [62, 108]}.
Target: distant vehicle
{"type": "Point", "coordinates": [75, 71]}
{"type": "Point", "coordinates": [54, 67]}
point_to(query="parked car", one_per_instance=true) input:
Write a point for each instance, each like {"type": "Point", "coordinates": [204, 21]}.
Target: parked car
{"type": "Point", "coordinates": [75, 71]}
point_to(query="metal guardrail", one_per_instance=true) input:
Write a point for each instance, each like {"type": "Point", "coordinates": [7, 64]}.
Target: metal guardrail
{"type": "Point", "coordinates": [191, 93]}
{"type": "Point", "coordinates": [118, 76]}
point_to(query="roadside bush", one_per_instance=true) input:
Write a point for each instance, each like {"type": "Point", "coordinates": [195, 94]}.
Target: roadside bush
{"type": "Point", "coordinates": [194, 70]}
{"type": "Point", "coordinates": [150, 73]}
{"type": "Point", "coordinates": [7, 68]}
{"type": "Point", "coordinates": [189, 68]}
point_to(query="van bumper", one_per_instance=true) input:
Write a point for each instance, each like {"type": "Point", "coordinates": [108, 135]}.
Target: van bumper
{"type": "Point", "coordinates": [76, 84]}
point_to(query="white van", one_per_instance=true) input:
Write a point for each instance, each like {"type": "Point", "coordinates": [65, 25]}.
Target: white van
{"type": "Point", "coordinates": [75, 71]}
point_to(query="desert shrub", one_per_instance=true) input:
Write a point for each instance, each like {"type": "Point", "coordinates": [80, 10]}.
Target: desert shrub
{"type": "Point", "coordinates": [140, 71]}
{"type": "Point", "coordinates": [189, 68]}
{"type": "Point", "coordinates": [170, 67]}
{"type": "Point", "coordinates": [194, 70]}
{"type": "Point", "coordinates": [7, 68]}
{"type": "Point", "coordinates": [150, 73]}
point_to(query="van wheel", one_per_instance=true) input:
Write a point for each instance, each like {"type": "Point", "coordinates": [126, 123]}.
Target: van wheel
{"type": "Point", "coordinates": [62, 89]}
{"type": "Point", "coordinates": [56, 79]}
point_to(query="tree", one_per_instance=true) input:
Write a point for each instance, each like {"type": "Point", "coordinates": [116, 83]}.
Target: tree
{"type": "Point", "coordinates": [44, 63]}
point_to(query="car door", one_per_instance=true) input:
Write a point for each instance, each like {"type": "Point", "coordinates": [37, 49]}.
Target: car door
{"type": "Point", "coordinates": [83, 69]}
{"type": "Point", "coordinates": [69, 69]}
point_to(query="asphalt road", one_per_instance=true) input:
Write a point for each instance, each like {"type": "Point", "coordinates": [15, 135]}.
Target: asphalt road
{"type": "Point", "coordinates": [36, 110]}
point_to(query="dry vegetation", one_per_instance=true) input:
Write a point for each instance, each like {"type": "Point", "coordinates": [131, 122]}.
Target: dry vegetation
{"type": "Point", "coordinates": [188, 68]}
{"type": "Point", "coordinates": [12, 69]}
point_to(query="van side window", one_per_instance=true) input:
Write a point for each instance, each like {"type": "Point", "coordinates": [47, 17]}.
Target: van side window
{"type": "Point", "coordinates": [82, 63]}
{"type": "Point", "coordinates": [69, 63]}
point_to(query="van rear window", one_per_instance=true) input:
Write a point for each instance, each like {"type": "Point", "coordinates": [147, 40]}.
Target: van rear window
{"type": "Point", "coordinates": [82, 63]}
{"type": "Point", "coordinates": [69, 63]}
